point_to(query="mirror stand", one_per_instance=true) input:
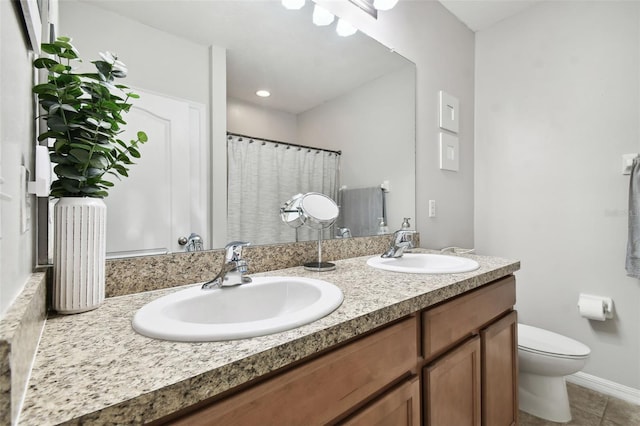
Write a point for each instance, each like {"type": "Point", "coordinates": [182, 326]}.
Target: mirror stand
{"type": "Point", "coordinates": [316, 211]}
{"type": "Point", "coordinates": [319, 266]}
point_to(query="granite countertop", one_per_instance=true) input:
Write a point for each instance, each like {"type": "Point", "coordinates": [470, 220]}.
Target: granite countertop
{"type": "Point", "coordinates": [93, 368]}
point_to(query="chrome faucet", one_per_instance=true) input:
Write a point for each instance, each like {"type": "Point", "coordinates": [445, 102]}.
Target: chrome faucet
{"type": "Point", "coordinates": [402, 240]}
{"type": "Point", "coordinates": [344, 233]}
{"type": "Point", "coordinates": [194, 243]}
{"type": "Point", "coordinates": [233, 268]}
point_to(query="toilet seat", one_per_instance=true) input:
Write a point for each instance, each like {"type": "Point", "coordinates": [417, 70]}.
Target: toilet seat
{"type": "Point", "coordinates": [545, 342]}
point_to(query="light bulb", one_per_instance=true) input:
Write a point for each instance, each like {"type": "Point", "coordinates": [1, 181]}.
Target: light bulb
{"type": "Point", "coordinates": [384, 4]}
{"type": "Point", "coordinates": [345, 29]}
{"type": "Point", "coordinates": [293, 4]}
{"type": "Point", "coordinates": [321, 16]}
{"type": "Point", "coordinates": [263, 93]}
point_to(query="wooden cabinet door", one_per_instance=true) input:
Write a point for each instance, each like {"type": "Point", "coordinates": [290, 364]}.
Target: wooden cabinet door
{"type": "Point", "coordinates": [500, 372]}
{"type": "Point", "coordinates": [452, 387]}
{"type": "Point", "coordinates": [322, 389]}
{"type": "Point", "coordinates": [398, 407]}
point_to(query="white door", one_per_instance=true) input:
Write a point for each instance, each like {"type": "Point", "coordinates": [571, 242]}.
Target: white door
{"type": "Point", "coordinates": [149, 210]}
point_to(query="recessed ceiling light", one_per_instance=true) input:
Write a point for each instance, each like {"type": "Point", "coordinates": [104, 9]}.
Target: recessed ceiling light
{"type": "Point", "coordinates": [263, 93]}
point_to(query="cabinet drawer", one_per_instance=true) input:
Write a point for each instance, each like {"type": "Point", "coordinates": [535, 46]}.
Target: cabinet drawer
{"type": "Point", "coordinates": [322, 389]}
{"type": "Point", "coordinates": [445, 325]}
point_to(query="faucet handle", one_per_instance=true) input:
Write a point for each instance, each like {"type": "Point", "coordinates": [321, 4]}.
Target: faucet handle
{"type": "Point", "coordinates": [405, 224]}
{"type": "Point", "coordinates": [233, 250]}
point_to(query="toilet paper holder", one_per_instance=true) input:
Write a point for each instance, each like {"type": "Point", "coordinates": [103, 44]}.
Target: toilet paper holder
{"type": "Point", "coordinates": [595, 307]}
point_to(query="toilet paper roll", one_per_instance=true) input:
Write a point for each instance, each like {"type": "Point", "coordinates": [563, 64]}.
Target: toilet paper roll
{"type": "Point", "coordinates": [592, 308]}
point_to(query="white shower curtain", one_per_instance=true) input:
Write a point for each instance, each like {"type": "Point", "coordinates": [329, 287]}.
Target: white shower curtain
{"type": "Point", "coordinates": [262, 175]}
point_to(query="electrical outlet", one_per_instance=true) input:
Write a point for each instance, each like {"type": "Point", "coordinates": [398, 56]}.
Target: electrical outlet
{"type": "Point", "coordinates": [432, 208]}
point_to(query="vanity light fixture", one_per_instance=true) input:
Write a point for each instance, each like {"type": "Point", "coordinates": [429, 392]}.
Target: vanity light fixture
{"type": "Point", "coordinates": [263, 93]}
{"type": "Point", "coordinates": [293, 4]}
{"type": "Point", "coordinates": [345, 29]}
{"type": "Point", "coordinates": [384, 4]}
{"type": "Point", "coordinates": [321, 16]}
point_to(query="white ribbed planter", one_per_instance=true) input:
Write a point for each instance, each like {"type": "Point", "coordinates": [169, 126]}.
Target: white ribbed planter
{"type": "Point", "coordinates": [79, 254]}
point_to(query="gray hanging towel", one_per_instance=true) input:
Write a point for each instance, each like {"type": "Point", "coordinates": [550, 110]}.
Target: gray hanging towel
{"type": "Point", "coordinates": [360, 210]}
{"type": "Point", "coordinates": [633, 242]}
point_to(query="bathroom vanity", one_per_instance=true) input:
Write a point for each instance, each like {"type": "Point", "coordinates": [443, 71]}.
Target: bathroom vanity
{"type": "Point", "coordinates": [465, 350]}
{"type": "Point", "coordinates": [402, 349]}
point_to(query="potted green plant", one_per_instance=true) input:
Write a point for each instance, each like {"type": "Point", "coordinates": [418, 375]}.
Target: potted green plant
{"type": "Point", "coordinates": [84, 116]}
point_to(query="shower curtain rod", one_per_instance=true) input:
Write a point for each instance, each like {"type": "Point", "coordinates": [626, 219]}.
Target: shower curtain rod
{"type": "Point", "coordinates": [284, 143]}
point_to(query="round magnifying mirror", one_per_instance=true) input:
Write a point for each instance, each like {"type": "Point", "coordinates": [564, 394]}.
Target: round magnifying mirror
{"type": "Point", "coordinates": [291, 213]}
{"type": "Point", "coordinates": [318, 210]}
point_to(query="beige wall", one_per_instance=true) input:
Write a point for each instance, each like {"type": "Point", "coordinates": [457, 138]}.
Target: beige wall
{"type": "Point", "coordinates": [17, 140]}
{"type": "Point", "coordinates": [557, 106]}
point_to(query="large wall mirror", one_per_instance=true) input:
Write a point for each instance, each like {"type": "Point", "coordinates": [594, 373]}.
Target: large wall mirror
{"type": "Point", "coordinates": [197, 66]}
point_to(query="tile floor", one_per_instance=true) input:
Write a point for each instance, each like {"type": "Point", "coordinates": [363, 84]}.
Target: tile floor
{"type": "Point", "coordinates": [590, 408]}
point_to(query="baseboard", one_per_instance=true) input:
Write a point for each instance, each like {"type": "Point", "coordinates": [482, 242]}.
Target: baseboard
{"type": "Point", "coordinates": [606, 387]}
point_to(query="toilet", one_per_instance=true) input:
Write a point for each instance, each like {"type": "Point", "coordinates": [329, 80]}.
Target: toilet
{"type": "Point", "coordinates": [545, 358]}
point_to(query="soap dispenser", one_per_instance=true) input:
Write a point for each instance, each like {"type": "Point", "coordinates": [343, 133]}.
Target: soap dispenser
{"type": "Point", "coordinates": [382, 226]}
{"type": "Point", "coordinates": [405, 224]}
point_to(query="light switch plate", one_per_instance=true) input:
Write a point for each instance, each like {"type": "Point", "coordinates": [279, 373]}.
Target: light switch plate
{"type": "Point", "coordinates": [449, 112]}
{"type": "Point", "coordinates": [449, 152]}
{"type": "Point", "coordinates": [432, 208]}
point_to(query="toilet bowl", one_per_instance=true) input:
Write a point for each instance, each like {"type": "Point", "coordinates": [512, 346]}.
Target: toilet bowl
{"type": "Point", "coordinates": [545, 358]}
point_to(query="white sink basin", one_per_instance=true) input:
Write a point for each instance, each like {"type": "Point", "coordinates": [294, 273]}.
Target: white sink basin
{"type": "Point", "coordinates": [424, 263]}
{"type": "Point", "coordinates": [266, 305]}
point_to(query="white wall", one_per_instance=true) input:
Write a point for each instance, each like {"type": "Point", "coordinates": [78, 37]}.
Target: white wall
{"type": "Point", "coordinates": [376, 116]}
{"type": "Point", "coordinates": [442, 48]}
{"type": "Point", "coordinates": [557, 104]}
{"type": "Point", "coordinates": [252, 120]}
{"type": "Point", "coordinates": [17, 139]}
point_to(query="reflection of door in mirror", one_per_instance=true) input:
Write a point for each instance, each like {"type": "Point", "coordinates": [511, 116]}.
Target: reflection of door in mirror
{"type": "Point", "coordinates": [162, 199]}
{"type": "Point", "coordinates": [261, 174]}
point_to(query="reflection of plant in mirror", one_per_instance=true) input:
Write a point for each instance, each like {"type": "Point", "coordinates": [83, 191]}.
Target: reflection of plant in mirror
{"type": "Point", "coordinates": [83, 112]}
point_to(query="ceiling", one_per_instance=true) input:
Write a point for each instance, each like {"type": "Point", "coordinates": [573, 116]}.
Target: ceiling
{"type": "Point", "coordinates": [481, 14]}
